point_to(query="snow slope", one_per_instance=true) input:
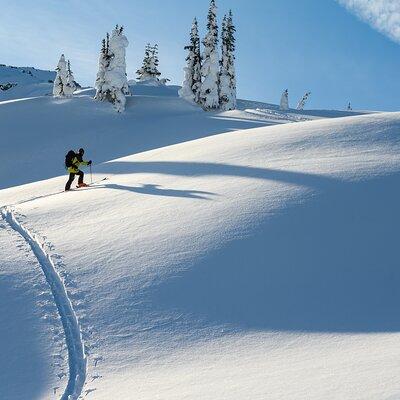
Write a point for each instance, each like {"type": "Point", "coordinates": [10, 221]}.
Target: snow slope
{"type": "Point", "coordinates": [253, 263]}
{"type": "Point", "coordinates": [77, 359]}
{"type": "Point", "coordinates": [31, 338]}
{"type": "Point", "coordinates": [155, 117]}
{"type": "Point", "coordinates": [26, 81]}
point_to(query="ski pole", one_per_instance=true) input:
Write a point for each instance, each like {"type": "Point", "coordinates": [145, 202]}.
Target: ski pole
{"type": "Point", "coordinates": [91, 177]}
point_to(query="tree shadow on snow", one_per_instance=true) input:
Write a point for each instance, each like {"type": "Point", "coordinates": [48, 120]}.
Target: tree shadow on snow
{"type": "Point", "coordinates": [182, 168]}
{"type": "Point", "coordinates": [157, 190]}
{"type": "Point", "coordinates": [331, 265]}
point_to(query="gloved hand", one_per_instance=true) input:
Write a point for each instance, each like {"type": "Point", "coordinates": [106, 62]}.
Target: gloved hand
{"type": "Point", "coordinates": [90, 162]}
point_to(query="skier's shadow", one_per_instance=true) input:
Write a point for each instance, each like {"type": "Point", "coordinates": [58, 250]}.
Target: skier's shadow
{"type": "Point", "coordinates": [157, 190]}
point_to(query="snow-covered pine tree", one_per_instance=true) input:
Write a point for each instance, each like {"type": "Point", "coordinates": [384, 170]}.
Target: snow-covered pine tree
{"type": "Point", "coordinates": [227, 85]}
{"type": "Point", "coordinates": [58, 87]}
{"type": "Point", "coordinates": [104, 61]}
{"type": "Point", "coordinates": [149, 69]}
{"type": "Point", "coordinates": [70, 86]}
{"type": "Point", "coordinates": [231, 30]}
{"type": "Point", "coordinates": [190, 90]}
{"type": "Point", "coordinates": [61, 78]}
{"type": "Point", "coordinates": [154, 62]}
{"type": "Point", "coordinates": [143, 72]}
{"type": "Point", "coordinates": [302, 102]}
{"type": "Point", "coordinates": [112, 83]}
{"type": "Point", "coordinates": [195, 39]}
{"type": "Point", "coordinates": [284, 105]}
{"type": "Point", "coordinates": [224, 79]}
{"type": "Point", "coordinates": [209, 92]}
{"type": "Point", "coordinates": [115, 76]}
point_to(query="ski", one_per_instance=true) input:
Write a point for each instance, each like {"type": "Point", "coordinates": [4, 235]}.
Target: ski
{"type": "Point", "coordinates": [91, 184]}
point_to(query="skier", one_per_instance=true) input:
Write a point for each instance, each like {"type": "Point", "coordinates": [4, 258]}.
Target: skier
{"type": "Point", "coordinates": [72, 162]}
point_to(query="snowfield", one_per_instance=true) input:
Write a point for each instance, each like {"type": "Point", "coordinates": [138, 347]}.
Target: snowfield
{"type": "Point", "coordinates": [25, 82]}
{"type": "Point", "coordinates": [227, 255]}
{"type": "Point", "coordinates": [155, 117]}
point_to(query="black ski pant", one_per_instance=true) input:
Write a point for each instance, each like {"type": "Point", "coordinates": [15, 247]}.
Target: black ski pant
{"type": "Point", "coordinates": [72, 177]}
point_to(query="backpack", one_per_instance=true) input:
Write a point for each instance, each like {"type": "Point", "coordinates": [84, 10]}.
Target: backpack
{"type": "Point", "coordinates": [68, 159]}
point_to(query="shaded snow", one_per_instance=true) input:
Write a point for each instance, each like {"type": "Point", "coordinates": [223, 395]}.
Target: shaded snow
{"type": "Point", "coordinates": [29, 325]}
{"type": "Point", "coordinates": [72, 330]}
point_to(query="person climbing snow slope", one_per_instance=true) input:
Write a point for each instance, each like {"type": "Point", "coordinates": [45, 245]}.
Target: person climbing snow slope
{"type": "Point", "coordinates": [72, 162]}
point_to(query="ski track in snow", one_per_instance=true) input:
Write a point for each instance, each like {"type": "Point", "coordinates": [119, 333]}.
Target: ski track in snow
{"type": "Point", "coordinates": [45, 196]}
{"type": "Point", "coordinates": [77, 359]}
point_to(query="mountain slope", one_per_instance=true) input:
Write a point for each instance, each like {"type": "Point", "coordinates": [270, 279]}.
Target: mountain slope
{"type": "Point", "coordinates": [260, 263]}
{"type": "Point", "coordinates": [38, 132]}
{"type": "Point", "coordinates": [21, 82]}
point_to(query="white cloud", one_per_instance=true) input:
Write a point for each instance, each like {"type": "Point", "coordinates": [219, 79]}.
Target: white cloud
{"type": "Point", "coordinates": [383, 15]}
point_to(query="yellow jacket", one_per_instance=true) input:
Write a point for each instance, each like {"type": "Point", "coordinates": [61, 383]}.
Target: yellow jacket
{"type": "Point", "coordinates": [76, 164]}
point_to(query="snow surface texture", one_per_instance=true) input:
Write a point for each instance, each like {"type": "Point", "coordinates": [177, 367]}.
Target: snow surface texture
{"type": "Point", "coordinates": [255, 262]}
{"type": "Point", "coordinates": [32, 349]}
{"type": "Point", "coordinates": [73, 336]}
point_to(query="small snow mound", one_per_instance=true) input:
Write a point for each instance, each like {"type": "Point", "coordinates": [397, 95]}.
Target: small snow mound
{"type": "Point", "coordinates": [148, 82]}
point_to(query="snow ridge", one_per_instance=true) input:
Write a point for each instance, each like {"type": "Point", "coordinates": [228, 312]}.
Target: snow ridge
{"type": "Point", "coordinates": [76, 350]}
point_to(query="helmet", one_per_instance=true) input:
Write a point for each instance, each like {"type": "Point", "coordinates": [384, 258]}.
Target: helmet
{"type": "Point", "coordinates": [81, 151]}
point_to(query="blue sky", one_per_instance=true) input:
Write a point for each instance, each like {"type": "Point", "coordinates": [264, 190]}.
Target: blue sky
{"type": "Point", "coordinates": [316, 45]}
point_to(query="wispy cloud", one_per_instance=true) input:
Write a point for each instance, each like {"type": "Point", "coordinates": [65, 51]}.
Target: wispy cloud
{"type": "Point", "coordinates": [383, 15]}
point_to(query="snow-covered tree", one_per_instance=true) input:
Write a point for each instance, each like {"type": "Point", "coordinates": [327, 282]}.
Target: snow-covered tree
{"type": "Point", "coordinates": [196, 62]}
{"type": "Point", "coordinates": [302, 102]}
{"type": "Point", "coordinates": [227, 84]}
{"type": "Point", "coordinates": [284, 105]}
{"type": "Point", "coordinates": [143, 71]}
{"type": "Point", "coordinates": [104, 62]}
{"type": "Point", "coordinates": [115, 76]}
{"type": "Point", "coordinates": [149, 69]}
{"type": "Point", "coordinates": [61, 78]}
{"type": "Point", "coordinates": [111, 82]}
{"type": "Point", "coordinates": [154, 62]}
{"type": "Point", "coordinates": [209, 92]}
{"type": "Point", "coordinates": [70, 86]}
{"type": "Point", "coordinates": [163, 81]}
{"type": "Point", "coordinates": [192, 82]}
{"type": "Point", "coordinates": [231, 30]}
